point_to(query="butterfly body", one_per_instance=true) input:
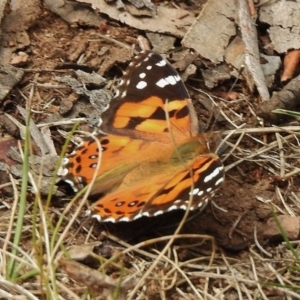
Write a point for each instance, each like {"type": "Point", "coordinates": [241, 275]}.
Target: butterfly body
{"type": "Point", "coordinates": [152, 157]}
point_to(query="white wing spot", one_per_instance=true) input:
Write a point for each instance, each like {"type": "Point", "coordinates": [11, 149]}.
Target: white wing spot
{"type": "Point", "coordinates": [168, 80]}
{"type": "Point", "coordinates": [64, 161]}
{"type": "Point", "coordinates": [141, 85]}
{"type": "Point", "coordinates": [209, 190]}
{"type": "Point", "coordinates": [194, 192]}
{"type": "Point", "coordinates": [124, 219]}
{"type": "Point", "coordinates": [173, 79]}
{"type": "Point", "coordinates": [124, 94]}
{"type": "Point", "coordinates": [219, 181]}
{"type": "Point", "coordinates": [161, 63]}
{"type": "Point", "coordinates": [157, 213]}
{"type": "Point", "coordinates": [149, 67]}
{"type": "Point", "coordinates": [161, 83]}
{"type": "Point", "coordinates": [110, 220]}
{"type": "Point", "coordinates": [142, 75]}
{"type": "Point", "coordinates": [173, 207]}
{"type": "Point", "coordinates": [62, 172]}
{"type": "Point", "coordinates": [71, 183]}
{"type": "Point", "coordinates": [128, 82]}
{"type": "Point", "coordinates": [97, 217]}
{"type": "Point", "coordinates": [212, 175]}
{"type": "Point", "coordinates": [200, 193]}
{"type": "Point", "coordinates": [137, 216]}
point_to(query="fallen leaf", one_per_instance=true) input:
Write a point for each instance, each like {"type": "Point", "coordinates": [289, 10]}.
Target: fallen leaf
{"type": "Point", "coordinates": [290, 64]}
{"type": "Point", "coordinates": [95, 280]}
{"type": "Point", "coordinates": [283, 16]}
{"type": "Point", "coordinates": [173, 21]}
{"type": "Point", "coordinates": [212, 30]}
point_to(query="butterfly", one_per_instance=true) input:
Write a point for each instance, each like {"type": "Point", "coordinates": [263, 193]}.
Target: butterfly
{"type": "Point", "coordinates": [153, 157]}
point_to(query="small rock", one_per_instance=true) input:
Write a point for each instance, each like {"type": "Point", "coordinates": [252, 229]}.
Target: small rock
{"type": "Point", "coordinates": [290, 225]}
{"type": "Point", "coordinates": [19, 59]}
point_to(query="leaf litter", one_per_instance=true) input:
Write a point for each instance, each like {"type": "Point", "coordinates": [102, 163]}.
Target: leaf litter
{"type": "Point", "coordinates": [233, 249]}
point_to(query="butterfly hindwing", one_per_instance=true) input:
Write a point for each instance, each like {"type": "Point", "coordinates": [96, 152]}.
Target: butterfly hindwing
{"type": "Point", "coordinates": [164, 191]}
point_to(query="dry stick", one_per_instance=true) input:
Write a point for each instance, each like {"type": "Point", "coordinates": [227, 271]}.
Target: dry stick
{"type": "Point", "coordinates": [161, 239]}
{"type": "Point", "coordinates": [258, 244]}
{"type": "Point", "coordinates": [257, 152]}
{"type": "Point", "coordinates": [206, 286]}
{"type": "Point", "coordinates": [289, 129]}
{"type": "Point", "coordinates": [287, 165]}
{"type": "Point", "coordinates": [277, 208]}
{"type": "Point", "coordinates": [26, 261]}
{"type": "Point", "coordinates": [281, 155]}
{"type": "Point", "coordinates": [292, 173]}
{"type": "Point", "coordinates": [107, 38]}
{"type": "Point", "coordinates": [252, 57]}
{"type": "Point", "coordinates": [169, 273]}
{"type": "Point", "coordinates": [233, 275]}
{"type": "Point", "coordinates": [62, 122]}
{"type": "Point", "coordinates": [246, 291]}
{"type": "Point", "coordinates": [189, 264]}
{"type": "Point", "coordinates": [279, 278]}
{"type": "Point", "coordinates": [235, 224]}
{"type": "Point", "coordinates": [295, 199]}
{"type": "Point", "coordinates": [156, 240]}
{"type": "Point", "coordinates": [256, 278]}
{"type": "Point", "coordinates": [68, 291]}
{"type": "Point", "coordinates": [127, 246]}
{"type": "Point", "coordinates": [183, 274]}
{"type": "Point", "coordinates": [17, 289]}
{"type": "Point", "coordinates": [279, 195]}
{"type": "Point", "coordinates": [221, 293]}
{"type": "Point", "coordinates": [39, 70]}
{"type": "Point", "coordinates": [234, 146]}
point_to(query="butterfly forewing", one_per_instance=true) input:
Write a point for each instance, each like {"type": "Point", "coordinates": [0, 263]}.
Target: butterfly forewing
{"type": "Point", "coordinates": [141, 111]}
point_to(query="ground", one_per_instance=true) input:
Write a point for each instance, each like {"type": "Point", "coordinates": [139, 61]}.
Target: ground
{"type": "Point", "coordinates": [236, 217]}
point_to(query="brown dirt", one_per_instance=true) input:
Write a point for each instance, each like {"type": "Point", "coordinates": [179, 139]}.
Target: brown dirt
{"type": "Point", "coordinates": [52, 40]}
